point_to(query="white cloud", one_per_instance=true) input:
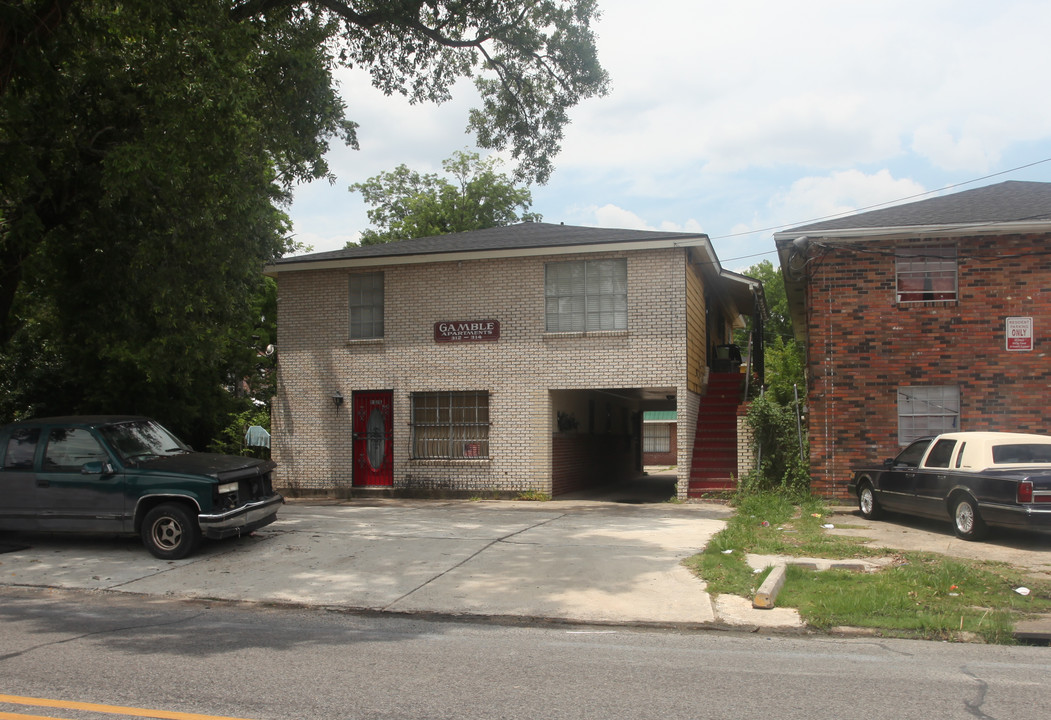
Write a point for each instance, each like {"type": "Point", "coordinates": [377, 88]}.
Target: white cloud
{"type": "Point", "coordinates": [745, 116]}
{"type": "Point", "coordinates": [611, 216]}
{"type": "Point", "coordinates": [812, 199]}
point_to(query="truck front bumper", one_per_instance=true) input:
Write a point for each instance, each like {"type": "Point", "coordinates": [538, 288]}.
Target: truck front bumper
{"type": "Point", "coordinates": [242, 520]}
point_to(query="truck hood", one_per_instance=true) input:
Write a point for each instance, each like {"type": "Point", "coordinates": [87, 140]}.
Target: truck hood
{"type": "Point", "coordinates": [222, 468]}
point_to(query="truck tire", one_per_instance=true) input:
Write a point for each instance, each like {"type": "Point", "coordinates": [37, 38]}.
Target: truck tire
{"type": "Point", "coordinates": [170, 531]}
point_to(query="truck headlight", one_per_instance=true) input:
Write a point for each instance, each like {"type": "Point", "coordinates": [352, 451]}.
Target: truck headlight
{"type": "Point", "coordinates": [227, 488]}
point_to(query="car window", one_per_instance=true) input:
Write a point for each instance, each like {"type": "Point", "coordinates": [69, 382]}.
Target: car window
{"type": "Point", "coordinates": [21, 448]}
{"type": "Point", "coordinates": [1022, 453]}
{"type": "Point", "coordinates": [69, 449]}
{"type": "Point", "coordinates": [911, 456]}
{"type": "Point", "coordinates": [941, 453]}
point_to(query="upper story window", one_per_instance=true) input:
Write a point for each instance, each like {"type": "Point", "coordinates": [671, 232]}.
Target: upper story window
{"type": "Point", "coordinates": [366, 306]}
{"type": "Point", "coordinates": [926, 274]}
{"type": "Point", "coordinates": [586, 295]}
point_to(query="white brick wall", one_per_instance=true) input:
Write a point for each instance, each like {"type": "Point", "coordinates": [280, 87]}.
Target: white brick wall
{"type": "Point", "coordinates": [311, 438]}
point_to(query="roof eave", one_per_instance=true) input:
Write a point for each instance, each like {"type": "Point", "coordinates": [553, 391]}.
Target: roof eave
{"type": "Point", "coordinates": [291, 265]}
{"type": "Point", "coordinates": [912, 231]}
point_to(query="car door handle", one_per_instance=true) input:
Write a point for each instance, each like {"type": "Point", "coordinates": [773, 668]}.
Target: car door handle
{"type": "Point", "coordinates": [41, 483]}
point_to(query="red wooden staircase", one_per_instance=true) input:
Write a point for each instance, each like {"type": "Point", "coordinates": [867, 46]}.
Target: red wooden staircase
{"type": "Point", "coordinates": [714, 466]}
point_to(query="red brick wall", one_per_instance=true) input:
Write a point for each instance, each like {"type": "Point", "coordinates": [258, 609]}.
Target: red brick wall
{"type": "Point", "coordinates": [862, 346]}
{"type": "Point", "coordinates": [581, 461]}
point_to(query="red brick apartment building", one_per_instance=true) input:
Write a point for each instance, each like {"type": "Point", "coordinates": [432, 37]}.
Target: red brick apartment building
{"type": "Point", "coordinates": [505, 361]}
{"type": "Point", "coordinates": [922, 318]}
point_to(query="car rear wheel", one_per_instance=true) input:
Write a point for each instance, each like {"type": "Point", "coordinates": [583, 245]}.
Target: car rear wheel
{"type": "Point", "coordinates": [170, 531]}
{"type": "Point", "coordinates": [867, 502]}
{"type": "Point", "coordinates": [966, 520]}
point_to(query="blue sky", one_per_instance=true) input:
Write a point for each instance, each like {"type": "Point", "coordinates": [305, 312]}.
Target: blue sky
{"type": "Point", "coordinates": [740, 118]}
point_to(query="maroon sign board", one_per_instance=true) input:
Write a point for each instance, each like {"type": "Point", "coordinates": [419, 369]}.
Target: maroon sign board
{"type": "Point", "coordinates": [466, 330]}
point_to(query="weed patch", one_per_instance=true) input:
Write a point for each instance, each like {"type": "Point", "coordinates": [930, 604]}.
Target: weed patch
{"type": "Point", "coordinates": [920, 595]}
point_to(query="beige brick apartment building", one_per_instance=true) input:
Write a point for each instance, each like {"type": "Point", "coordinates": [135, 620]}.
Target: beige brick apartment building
{"type": "Point", "coordinates": [501, 361]}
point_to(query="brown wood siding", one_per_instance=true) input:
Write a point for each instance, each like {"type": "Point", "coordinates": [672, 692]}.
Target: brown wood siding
{"type": "Point", "coordinates": [696, 331]}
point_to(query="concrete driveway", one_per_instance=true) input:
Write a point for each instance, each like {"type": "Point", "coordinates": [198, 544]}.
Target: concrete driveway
{"type": "Point", "coordinates": [592, 562]}
{"type": "Point", "coordinates": [1030, 552]}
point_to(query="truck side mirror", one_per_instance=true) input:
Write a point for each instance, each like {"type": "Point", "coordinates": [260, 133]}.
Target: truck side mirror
{"type": "Point", "coordinates": [97, 467]}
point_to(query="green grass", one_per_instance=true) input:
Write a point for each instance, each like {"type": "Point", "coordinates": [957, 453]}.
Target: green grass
{"type": "Point", "coordinates": [919, 595]}
{"type": "Point", "coordinates": [533, 495]}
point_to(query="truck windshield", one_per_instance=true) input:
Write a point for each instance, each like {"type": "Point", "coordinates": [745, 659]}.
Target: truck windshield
{"type": "Point", "coordinates": [142, 440]}
{"type": "Point", "coordinates": [1022, 453]}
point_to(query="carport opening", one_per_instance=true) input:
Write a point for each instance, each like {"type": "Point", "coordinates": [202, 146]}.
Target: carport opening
{"type": "Point", "coordinates": [597, 445]}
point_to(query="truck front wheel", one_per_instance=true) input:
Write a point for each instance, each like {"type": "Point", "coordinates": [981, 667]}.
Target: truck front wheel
{"type": "Point", "coordinates": [170, 532]}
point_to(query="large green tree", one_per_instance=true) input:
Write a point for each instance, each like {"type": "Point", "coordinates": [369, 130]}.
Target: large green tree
{"type": "Point", "coordinates": [407, 204]}
{"type": "Point", "coordinates": [149, 147]}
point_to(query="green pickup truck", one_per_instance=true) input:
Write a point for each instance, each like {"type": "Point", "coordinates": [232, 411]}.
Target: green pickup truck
{"type": "Point", "coordinates": [120, 474]}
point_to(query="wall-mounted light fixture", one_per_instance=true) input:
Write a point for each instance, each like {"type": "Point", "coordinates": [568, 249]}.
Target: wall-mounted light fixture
{"type": "Point", "coordinates": [337, 399]}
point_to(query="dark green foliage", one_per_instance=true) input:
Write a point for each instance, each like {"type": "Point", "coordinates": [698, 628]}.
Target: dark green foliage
{"type": "Point", "coordinates": [406, 204]}
{"type": "Point", "coordinates": [773, 416]}
{"type": "Point", "coordinates": [780, 467]}
{"type": "Point", "coordinates": [231, 439]}
{"type": "Point", "coordinates": [148, 149]}
{"type": "Point", "coordinates": [147, 156]}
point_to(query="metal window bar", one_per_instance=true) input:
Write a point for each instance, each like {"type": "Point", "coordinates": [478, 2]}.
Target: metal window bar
{"type": "Point", "coordinates": [450, 425]}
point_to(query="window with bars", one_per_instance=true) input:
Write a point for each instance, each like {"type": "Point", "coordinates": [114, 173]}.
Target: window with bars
{"type": "Point", "coordinates": [450, 425]}
{"type": "Point", "coordinates": [586, 295]}
{"type": "Point", "coordinates": [366, 306]}
{"type": "Point", "coordinates": [926, 274]}
{"type": "Point", "coordinates": [927, 410]}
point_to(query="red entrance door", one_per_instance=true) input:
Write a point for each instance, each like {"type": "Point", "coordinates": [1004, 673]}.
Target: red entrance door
{"type": "Point", "coordinates": [373, 429]}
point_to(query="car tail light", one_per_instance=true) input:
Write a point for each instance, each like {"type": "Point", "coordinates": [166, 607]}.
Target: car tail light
{"type": "Point", "coordinates": [1025, 491]}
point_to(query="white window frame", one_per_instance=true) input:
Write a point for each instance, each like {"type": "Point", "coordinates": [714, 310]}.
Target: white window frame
{"type": "Point", "coordinates": [586, 295]}
{"type": "Point", "coordinates": [365, 291]}
{"type": "Point", "coordinates": [926, 410]}
{"type": "Point", "coordinates": [926, 274]}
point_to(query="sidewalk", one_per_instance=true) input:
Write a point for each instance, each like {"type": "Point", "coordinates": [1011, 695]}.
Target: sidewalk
{"type": "Point", "coordinates": [568, 560]}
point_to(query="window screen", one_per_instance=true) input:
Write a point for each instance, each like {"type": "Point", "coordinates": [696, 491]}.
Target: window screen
{"type": "Point", "coordinates": [586, 295]}
{"type": "Point", "coordinates": [926, 274]}
{"type": "Point", "coordinates": [927, 410]}
{"type": "Point", "coordinates": [366, 306]}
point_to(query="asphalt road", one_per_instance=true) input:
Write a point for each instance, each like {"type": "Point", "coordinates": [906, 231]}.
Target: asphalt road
{"type": "Point", "coordinates": [246, 661]}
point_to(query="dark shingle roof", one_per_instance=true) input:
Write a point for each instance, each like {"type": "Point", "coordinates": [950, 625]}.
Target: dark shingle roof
{"type": "Point", "coordinates": [512, 237]}
{"type": "Point", "coordinates": [1005, 202]}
